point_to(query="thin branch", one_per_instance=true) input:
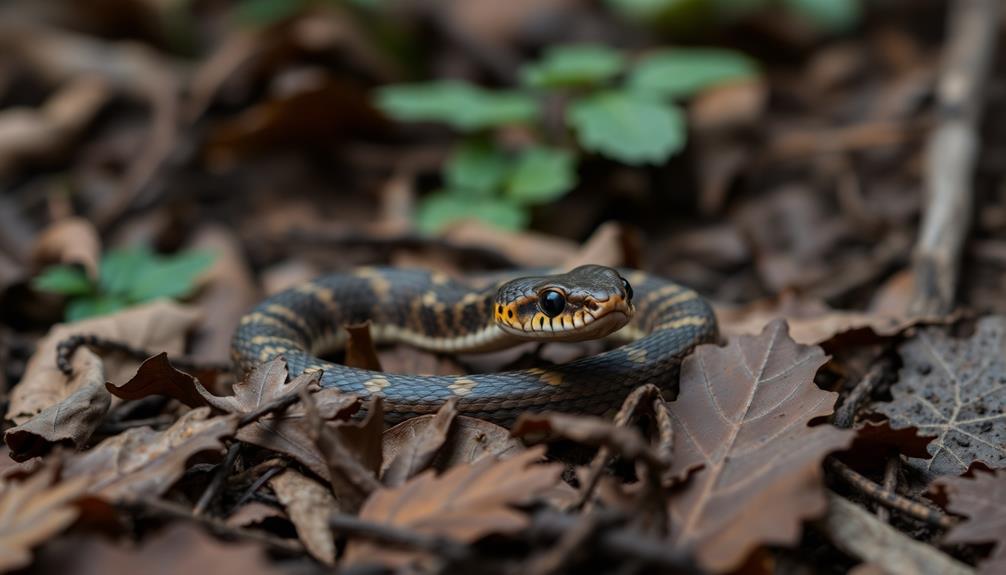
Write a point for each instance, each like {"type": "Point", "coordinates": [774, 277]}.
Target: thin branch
{"type": "Point", "coordinates": [888, 498]}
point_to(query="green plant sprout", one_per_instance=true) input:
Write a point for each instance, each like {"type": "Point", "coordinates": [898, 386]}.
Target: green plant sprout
{"type": "Point", "coordinates": [622, 110]}
{"type": "Point", "coordinates": [126, 277]}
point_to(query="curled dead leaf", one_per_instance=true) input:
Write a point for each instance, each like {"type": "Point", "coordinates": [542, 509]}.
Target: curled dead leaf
{"type": "Point", "coordinates": [982, 499]}
{"type": "Point", "coordinates": [69, 241]}
{"type": "Point", "coordinates": [309, 504]}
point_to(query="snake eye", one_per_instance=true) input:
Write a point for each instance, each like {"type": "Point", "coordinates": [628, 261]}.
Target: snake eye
{"type": "Point", "coordinates": [628, 289]}
{"type": "Point", "coordinates": [552, 303]}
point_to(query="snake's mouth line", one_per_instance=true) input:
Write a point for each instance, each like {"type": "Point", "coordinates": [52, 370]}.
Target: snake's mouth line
{"type": "Point", "coordinates": [581, 325]}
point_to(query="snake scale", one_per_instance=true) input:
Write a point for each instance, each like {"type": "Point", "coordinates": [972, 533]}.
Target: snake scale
{"type": "Point", "coordinates": [662, 322]}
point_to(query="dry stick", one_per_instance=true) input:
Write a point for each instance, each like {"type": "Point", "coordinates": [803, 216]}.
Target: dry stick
{"type": "Point", "coordinates": [891, 468]}
{"type": "Point", "coordinates": [951, 155]}
{"type": "Point", "coordinates": [392, 535]}
{"type": "Point", "coordinates": [888, 498]}
{"type": "Point", "coordinates": [174, 510]}
{"type": "Point", "coordinates": [855, 531]}
{"type": "Point", "coordinates": [845, 415]}
{"type": "Point", "coordinates": [218, 479]}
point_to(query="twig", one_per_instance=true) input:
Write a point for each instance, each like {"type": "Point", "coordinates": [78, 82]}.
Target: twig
{"type": "Point", "coordinates": [269, 474]}
{"type": "Point", "coordinates": [279, 404]}
{"type": "Point", "coordinates": [888, 498]}
{"type": "Point", "coordinates": [174, 510]}
{"type": "Point", "coordinates": [218, 479]}
{"type": "Point", "coordinates": [845, 415]}
{"type": "Point", "coordinates": [891, 468]}
{"type": "Point", "coordinates": [952, 151]}
{"type": "Point", "coordinates": [857, 532]}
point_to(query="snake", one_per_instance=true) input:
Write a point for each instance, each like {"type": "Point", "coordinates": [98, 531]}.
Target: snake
{"type": "Point", "coordinates": [656, 321]}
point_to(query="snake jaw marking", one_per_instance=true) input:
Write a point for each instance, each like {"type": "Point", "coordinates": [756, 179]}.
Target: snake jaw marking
{"type": "Point", "coordinates": [448, 315]}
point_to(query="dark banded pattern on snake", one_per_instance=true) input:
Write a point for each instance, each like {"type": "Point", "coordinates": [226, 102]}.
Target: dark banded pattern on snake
{"type": "Point", "coordinates": [430, 310]}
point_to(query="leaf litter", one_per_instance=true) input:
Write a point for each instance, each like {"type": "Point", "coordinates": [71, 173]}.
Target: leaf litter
{"type": "Point", "coordinates": [789, 189]}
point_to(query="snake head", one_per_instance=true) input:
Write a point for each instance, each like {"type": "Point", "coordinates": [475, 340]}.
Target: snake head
{"type": "Point", "coordinates": [588, 302]}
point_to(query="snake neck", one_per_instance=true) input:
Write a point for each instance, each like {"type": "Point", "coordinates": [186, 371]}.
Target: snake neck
{"type": "Point", "coordinates": [486, 339]}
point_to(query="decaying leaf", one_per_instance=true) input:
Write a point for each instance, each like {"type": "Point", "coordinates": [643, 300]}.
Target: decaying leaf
{"type": "Point", "coordinates": [70, 421]}
{"type": "Point", "coordinates": [465, 503]}
{"type": "Point", "coordinates": [592, 431]}
{"type": "Point", "coordinates": [160, 325]}
{"type": "Point", "coordinates": [467, 440]}
{"type": "Point", "coordinates": [741, 431]}
{"type": "Point", "coordinates": [351, 451]}
{"type": "Point", "coordinates": [954, 389]}
{"type": "Point", "coordinates": [416, 443]}
{"type": "Point", "coordinates": [309, 505]}
{"type": "Point", "coordinates": [286, 432]}
{"type": "Point", "coordinates": [156, 376]}
{"type": "Point", "coordinates": [32, 511]}
{"type": "Point", "coordinates": [141, 462]}
{"type": "Point", "coordinates": [181, 548]}
{"type": "Point", "coordinates": [69, 241]}
{"type": "Point", "coordinates": [982, 500]}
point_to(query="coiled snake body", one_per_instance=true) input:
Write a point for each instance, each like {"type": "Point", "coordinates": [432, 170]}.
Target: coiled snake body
{"type": "Point", "coordinates": [431, 311]}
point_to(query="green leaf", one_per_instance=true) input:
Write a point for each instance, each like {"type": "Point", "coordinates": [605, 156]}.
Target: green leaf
{"type": "Point", "coordinates": [63, 279]}
{"type": "Point", "coordinates": [172, 277]}
{"type": "Point", "coordinates": [541, 175]}
{"type": "Point", "coordinates": [85, 307]}
{"type": "Point", "coordinates": [829, 15]}
{"type": "Point", "coordinates": [628, 127]}
{"type": "Point", "coordinates": [574, 65]}
{"type": "Point", "coordinates": [442, 208]}
{"type": "Point", "coordinates": [476, 166]}
{"type": "Point", "coordinates": [120, 269]}
{"type": "Point", "coordinates": [460, 105]}
{"type": "Point", "coordinates": [680, 73]}
{"type": "Point", "coordinates": [267, 12]}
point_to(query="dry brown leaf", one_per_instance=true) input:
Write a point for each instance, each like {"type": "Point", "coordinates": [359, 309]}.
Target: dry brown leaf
{"type": "Point", "coordinates": [351, 450]}
{"type": "Point", "coordinates": [309, 506]}
{"type": "Point", "coordinates": [591, 431]}
{"type": "Point", "coordinates": [159, 325]}
{"type": "Point", "coordinates": [465, 503]}
{"type": "Point", "coordinates": [468, 440]}
{"type": "Point", "coordinates": [141, 462]}
{"type": "Point", "coordinates": [360, 350]}
{"type": "Point", "coordinates": [526, 249]}
{"type": "Point", "coordinates": [180, 548]}
{"type": "Point", "coordinates": [286, 432]}
{"type": "Point", "coordinates": [72, 420]}
{"type": "Point", "coordinates": [609, 245]}
{"type": "Point", "coordinates": [955, 389]}
{"type": "Point", "coordinates": [417, 442]}
{"type": "Point", "coordinates": [34, 510]}
{"type": "Point", "coordinates": [741, 432]}
{"type": "Point", "coordinates": [982, 499]}
{"type": "Point", "coordinates": [156, 376]}
{"type": "Point", "coordinates": [254, 513]}
{"type": "Point", "coordinates": [69, 241]}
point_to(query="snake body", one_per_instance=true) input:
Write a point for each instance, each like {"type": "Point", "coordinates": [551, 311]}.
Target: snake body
{"type": "Point", "coordinates": [433, 311]}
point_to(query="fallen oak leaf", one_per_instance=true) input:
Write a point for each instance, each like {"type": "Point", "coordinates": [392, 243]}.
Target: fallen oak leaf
{"type": "Point", "coordinates": [464, 504]}
{"type": "Point", "coordinates": [309, 506]}
{"type": "Point", "coordinates": [141, 462]}
{"type": "Point", "coordinates": [982, 499]}
{"type": "Point", "coordinates": [34, 510]}
{"type": "Point", "coordinates": [467, 440]}
{"type": "Point", "coordinates": [956, 389]}
{"type": "Point", "coordinates": [286, 432]}
{"type": "Point", "coordinates": [741, 436]}
{"type": "Point", "coordinates": [70, 421]}
{"type": "Point", "coordinates": [417, 442]}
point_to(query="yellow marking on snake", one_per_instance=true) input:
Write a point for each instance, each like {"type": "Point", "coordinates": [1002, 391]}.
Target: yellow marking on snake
{"type": "Point", "coordinates": [323, 294]}
{"type": "Point", "coordinates": [673, 301]}
{"type": "Point", "coordinates": [259, 339]}
{"type": "Point", "coordinates": [682, 322]}
{"type": "Point", "coordinates": [637, 356]}
{"type": "Point", "coordinates": [660, 294]}
{"type": "Point", "coordinates": [376, 385]}
{"type": "Point", "coordinates": [378, 283]}
{"type": "Point", "coordinates": [439, 278]}
{"type": "Point", "coordinates": [289, 315]}
{"type": "Point", "coordinates": [547, 377]}
{"type": "Point", "coordinates": [259, 317]}
{"type": "Point", "coordinates": [462, 386]}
